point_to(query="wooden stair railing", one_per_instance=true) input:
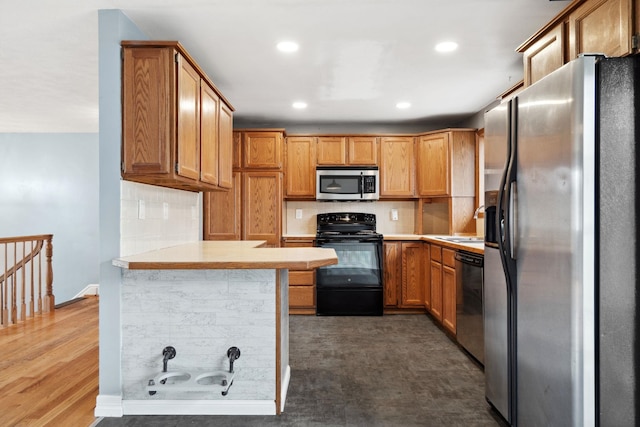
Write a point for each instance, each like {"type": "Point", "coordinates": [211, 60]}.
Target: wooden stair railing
{"type": "Point", "coordinates": [22, 292]}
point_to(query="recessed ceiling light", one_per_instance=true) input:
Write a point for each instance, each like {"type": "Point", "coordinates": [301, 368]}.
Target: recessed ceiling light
{"type": "Point", "coordinates": [299, 105]}
{"type": "Point", "coordinates": [446, 47]}
{"type": "Point", "coordinates": [287, 46]}
{"type": "Point", "coordinates": [403, 105]}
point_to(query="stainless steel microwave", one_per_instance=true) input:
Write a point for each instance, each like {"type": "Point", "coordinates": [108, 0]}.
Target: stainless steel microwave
{"type": "Point", "coordinates": [347, 183]}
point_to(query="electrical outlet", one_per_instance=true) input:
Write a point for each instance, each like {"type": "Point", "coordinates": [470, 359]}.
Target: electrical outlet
{"type": "Point", "coordinates": [141, 209]}
{"type": "Point", "coordinates": [298, 213]}
{"type": "Point", "coordinates": [394, 214]}
{"type": "Point", "coordinates": [165, 210]}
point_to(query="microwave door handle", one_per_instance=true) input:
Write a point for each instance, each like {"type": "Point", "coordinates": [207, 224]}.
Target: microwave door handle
{"type": "Point", "coordinates": [361, 185]}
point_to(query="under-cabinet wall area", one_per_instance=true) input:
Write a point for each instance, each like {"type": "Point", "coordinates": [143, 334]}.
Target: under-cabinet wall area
{"type": "Point", "coordinates": [307, 211]}
{"type": "Point", "coordinates": [153, 217]}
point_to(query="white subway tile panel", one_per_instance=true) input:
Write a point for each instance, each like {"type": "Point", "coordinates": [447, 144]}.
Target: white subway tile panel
{"type": "Point", "coordinates": [201, 313]}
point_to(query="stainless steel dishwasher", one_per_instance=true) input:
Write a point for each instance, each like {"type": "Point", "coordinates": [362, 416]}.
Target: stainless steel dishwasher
{"type": "Point", "coordinates": [470, 329]}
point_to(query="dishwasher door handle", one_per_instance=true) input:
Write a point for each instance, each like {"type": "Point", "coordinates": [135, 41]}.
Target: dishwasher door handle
{"type": "Point", "coordinates": [470, 259]}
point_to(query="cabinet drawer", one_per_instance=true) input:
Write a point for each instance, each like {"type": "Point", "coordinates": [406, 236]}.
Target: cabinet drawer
{"type": "Point", "coordinates": [449, 257]}
{"type": "Point", "coordinates": [302, 277]}
{"type": "Point", "coordinates": [436, 253]}
{"type": "Point", "coordinates": [302, 296]}
{"type": "Point", "coordinates": [297, 243]}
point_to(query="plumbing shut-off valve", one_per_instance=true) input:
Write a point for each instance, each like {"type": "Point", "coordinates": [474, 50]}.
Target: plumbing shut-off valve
{"type": "Point", "coordinates": [233, 354]}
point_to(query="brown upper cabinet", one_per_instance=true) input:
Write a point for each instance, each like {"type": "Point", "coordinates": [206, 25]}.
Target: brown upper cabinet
{"type": "Point", "coordinates": [601, 26]}
{"type": "Point", "coordinates": [300, 167]}
{"type": "Point", "coordinates": [261, 149]}
{"type": "Point", "coordinates": [254, 210]}
{"type": "Point", "coordinates": [446, 163]}
{"type": "Point", "coordinates": [397, 167]}
{"type": "Point", "coordinates": [606, 27]}
{"type": "Point", "coordinates": [351, 150]}
{"type": "Point", "coordinates": [177, 127]}
{"type": "Point", "coordinates": [545, 55]}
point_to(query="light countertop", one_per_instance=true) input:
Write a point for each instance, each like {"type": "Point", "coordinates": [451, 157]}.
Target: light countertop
{"type": "Point", "coordinates": [237, 254]}
{"type": "Point", "coordinates": [477, 248]}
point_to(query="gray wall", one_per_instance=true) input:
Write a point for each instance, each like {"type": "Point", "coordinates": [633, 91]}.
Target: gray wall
{"type": "Point", "coordinates": [49, 185]}
{"type": "Point", "coordinates": [477, 120]}
{"type": "Point", "coordinates": [113, 26]}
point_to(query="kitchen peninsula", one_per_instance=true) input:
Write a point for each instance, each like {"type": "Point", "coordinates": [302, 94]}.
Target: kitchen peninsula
{"type": "Point", "coordinates": [183, 311]}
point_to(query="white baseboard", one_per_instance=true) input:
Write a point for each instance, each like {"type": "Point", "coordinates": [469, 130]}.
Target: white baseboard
{"type": "Point", "coordinates": [108, 406]}
{"type": "Point", "coordinates": [91, 289]}
{"type": "Point", "coordinates": [198, 407]}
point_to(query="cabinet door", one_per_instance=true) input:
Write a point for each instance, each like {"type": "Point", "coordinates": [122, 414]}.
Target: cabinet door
{"type": "Point", "coordinates": [436, 290]}
{"type": "Point", "coordinates": [300, 170]}
{"type": "Point", "coordinates": [545, 56]}
{"type": "Point", "coordinates": [397, 167]}
{"type": "Point", "coordinates": [262, 150]}
{"type": "Point", "coordinates": [449, 298]}
{"type": "Point", "coordinates": [449, 290]}
{"type": "Point", "coordinates": [262, 206]}
{"type": "Point", "coordinates": [412, 287]}
{"type": "Point", "coordinates": [363, 150]}
{"type": "Point", "coordinates": [426, 280]}
{"type": "Point", "coordinates": [209, 132]}
{"type": "Point", "coordinates": [332, 150]}
{"type": "Point", "coordinates": [601, 26]}
{"type": "Point", "coordinates": [392, 272]}
{"type": "Point", "coordinates": [434, 160]}
{"type": "Point", "coordinates": [188, 120]}
{"type": "Point", "coordinates": [237, 150]}
{"type": "Point", "coordinates": [148, 108]}
{"type": "Point", "coordinates": [222, 212]}
{"type": "Point", "coordinates": [225, 142]}
{"type": "Point", "coordinates": [436, 282]}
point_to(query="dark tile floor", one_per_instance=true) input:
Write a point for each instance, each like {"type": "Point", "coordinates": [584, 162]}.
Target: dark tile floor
{"type": "Point", "coordinates": [395, 370]}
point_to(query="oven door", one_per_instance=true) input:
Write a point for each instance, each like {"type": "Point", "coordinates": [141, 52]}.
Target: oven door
{"type": "Point", "coordinates": [353, 287]}
{"type": "Point", "coordinates": [359, 264]}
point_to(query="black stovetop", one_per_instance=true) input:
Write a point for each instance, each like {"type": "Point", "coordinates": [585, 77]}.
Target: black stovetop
{"type": "Point", "coordinates": [346, 223]}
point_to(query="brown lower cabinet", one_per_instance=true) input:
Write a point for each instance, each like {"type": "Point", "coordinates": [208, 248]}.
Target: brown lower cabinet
{"type": "Point", "coordinates": [420, 275]}
{"type": "Point", "coordinates": [403, 275]}
{"type": "Point", "coordinates": [443, 286]}
{"type": "Point", "coordinates": [302, 283]}
{"type": "Point", "coordinates": [435, 264]}
{"type": "Point", "coordinates": [449, 290]}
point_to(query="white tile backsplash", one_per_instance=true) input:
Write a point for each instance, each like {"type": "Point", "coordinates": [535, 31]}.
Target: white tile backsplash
{"type": "Point", "coordinates": [382, 209]}
{"type": "Point", "coordinates": [154, 231]}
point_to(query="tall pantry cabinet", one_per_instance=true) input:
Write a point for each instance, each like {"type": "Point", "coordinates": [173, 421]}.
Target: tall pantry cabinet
{"type": "Point", "coordinates": [253, 210]}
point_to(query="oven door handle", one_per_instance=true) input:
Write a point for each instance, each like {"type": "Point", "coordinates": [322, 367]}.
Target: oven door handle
{"type": "Point", "coordinates": [321, 241]}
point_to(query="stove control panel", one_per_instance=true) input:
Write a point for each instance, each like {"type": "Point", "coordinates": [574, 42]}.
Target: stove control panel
{"type": "Point", "coordinates": [346, 218]}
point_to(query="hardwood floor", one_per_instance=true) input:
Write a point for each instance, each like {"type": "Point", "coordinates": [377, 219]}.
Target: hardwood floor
{"type": "Point", "coordinates": [49, 368]}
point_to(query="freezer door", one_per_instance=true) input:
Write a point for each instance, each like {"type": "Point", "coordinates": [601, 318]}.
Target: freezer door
{"type": "Point", "coordinates": [555, 248]}
{"type": "Point", "coordinates": [496, 355]}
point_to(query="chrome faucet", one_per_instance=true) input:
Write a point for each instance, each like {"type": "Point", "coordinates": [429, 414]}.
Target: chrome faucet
{"type": "Point", "coordinates": [475, 214]}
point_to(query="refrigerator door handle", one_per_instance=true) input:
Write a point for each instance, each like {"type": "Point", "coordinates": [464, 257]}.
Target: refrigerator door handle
{"type": "Point", "coordinates": [513, 216]}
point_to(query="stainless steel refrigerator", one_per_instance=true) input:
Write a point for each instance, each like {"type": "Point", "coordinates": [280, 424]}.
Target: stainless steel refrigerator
{"type": "Point", "coordinates": [561, 262]}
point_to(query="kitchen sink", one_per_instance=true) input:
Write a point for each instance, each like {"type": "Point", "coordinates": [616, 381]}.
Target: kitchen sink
{"type": "Point", "coordinates": [462, 239]}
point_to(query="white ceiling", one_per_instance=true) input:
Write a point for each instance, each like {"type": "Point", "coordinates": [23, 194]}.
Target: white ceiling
{"type": "Point", "coordinates": [357, 58]}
